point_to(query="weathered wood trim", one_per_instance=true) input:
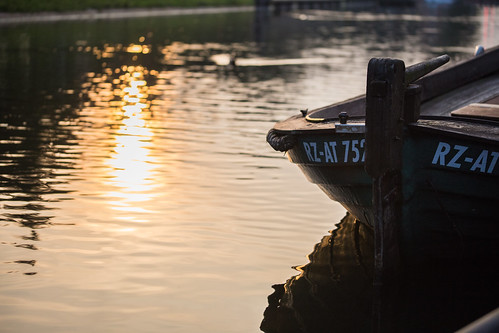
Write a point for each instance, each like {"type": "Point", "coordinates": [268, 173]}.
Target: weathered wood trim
{"type": "Point", "coordinates": [384, 129]}
{"type": "Point", "coordinates": [384, 107]}
{"type": "Point", "coordinates": [467, 71]}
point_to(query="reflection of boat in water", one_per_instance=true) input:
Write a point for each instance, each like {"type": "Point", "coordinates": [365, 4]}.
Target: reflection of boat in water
{"type": "Point", "coordinates": [334, 291]}
{"type": "Point", "coordinates": [419, 163]}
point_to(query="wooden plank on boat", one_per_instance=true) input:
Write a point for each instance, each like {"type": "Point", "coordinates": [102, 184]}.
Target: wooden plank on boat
{"type": "Point", "coordinates": [481, 91]}
{"type": "Point", "coordinates": [478, 110]}
{"type": "Point", "coordinates": [384, 105]}
{"type": "Point", "coordinates": [384, 130]}
{"type": "Point", "coordinates": [438, 83]}
{"type": "Point", "coordinates": [494, 100]}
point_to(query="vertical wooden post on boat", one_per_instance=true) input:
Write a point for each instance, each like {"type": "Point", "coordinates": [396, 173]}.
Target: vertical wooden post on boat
{"type": "Point", "coordinates": [384, 131]}
{"type": "Point", "coordinates": [391, 103]}
{"type": "Point", "coordinates": [412, 103]}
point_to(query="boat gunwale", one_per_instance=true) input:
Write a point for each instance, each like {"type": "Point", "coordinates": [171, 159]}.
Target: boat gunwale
{"type": "Point", "coordinates": [453, 119]}
{"type": "Point", "coordinates": [428, 83]}
{"type": "Point", "coordinates": [477, 136]}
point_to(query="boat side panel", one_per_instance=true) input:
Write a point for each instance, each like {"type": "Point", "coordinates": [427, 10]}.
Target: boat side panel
{"type": "Point", "coordinates": [451, 193]}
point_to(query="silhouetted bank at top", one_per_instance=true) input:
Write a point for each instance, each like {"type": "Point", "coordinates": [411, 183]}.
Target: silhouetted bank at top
{"type": "Point", "coordinates": [26, 6]}
{"type": "Point", "coordinates": [284, 5]}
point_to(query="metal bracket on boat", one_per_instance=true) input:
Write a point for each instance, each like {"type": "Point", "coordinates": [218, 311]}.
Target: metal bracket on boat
{"type": "Point", "coordinates": [350, 128]}
{"type": "Point", "coordinates": [343, 127]}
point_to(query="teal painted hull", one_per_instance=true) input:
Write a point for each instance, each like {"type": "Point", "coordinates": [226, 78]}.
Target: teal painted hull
{"type": "Point", "coordinates": [467, 188]}
{"type": "Point", "coordinates": [450, 189]}
{"type": "Point", "coordinates": [450, 195]}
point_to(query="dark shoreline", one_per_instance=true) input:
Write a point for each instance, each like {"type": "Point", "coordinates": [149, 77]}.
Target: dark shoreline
{"type": "Point", "coordinates": [107, 14]}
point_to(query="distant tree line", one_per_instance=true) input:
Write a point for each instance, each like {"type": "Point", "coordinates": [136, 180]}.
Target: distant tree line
{"type": "Point", "coordinates": [74, 5]}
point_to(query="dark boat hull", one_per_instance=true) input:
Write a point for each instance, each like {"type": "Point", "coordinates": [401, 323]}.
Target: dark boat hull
{"type": "Point", "coordinates": [440, 184]}
{"type": "Point", "coordinates": [450, 192]}
{"type": "Point", "coordinates": [337, 167]}
{"type": "Point", "coordinates": [331, 153]}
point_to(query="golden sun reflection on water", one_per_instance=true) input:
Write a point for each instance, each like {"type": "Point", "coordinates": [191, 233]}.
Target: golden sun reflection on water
{"type": "Point", "coordinates": [132, 166]}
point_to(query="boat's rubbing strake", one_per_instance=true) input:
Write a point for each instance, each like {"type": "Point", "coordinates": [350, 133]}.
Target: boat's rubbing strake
{"type": "Point", "coordinates": [279, 141]}
{"type": "Point", "coordinates": [285, 141]}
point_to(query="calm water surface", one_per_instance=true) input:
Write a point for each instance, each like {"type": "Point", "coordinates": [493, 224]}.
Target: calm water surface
{"type": "Point", "coordinates": [137, 192]}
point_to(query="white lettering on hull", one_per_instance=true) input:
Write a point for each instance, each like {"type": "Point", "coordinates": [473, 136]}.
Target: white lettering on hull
{"type": "Point", "coordinates": [333, 152]}
{"type": "Point", "coordinates": [447, 155]}
{"type": "Point", "coordinates": [454, 156]}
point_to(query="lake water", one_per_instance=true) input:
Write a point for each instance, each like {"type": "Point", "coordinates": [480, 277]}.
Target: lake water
{"type": "Point", "coordinates": [137, 192]}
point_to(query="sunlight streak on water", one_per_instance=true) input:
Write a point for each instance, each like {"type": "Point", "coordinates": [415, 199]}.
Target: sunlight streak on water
{"type": "Point", "coordinates": [133, 167]}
